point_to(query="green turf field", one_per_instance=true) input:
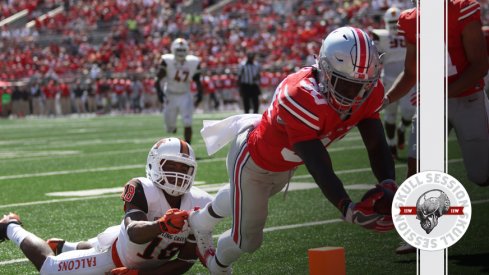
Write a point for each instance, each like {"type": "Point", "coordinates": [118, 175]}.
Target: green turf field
{"type": "Point", "coordinates": [43, 156]}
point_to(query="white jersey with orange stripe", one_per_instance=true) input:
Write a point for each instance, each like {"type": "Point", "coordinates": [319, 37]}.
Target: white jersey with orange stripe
{"type": "Point", "coordinates": [164, 246]}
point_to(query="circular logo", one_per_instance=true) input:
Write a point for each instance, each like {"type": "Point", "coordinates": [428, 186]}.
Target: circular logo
{"type": "Point", "coordinates": [431, 210]}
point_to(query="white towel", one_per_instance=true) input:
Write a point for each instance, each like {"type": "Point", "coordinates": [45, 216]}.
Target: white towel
{"type": "Point", "coordinates": [218, 133]}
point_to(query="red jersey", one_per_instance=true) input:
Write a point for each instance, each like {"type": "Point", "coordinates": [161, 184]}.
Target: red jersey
{"type": "Point", "coordinates": [300, 112]}
{"type": "Point", "coordinates": [460, 13]}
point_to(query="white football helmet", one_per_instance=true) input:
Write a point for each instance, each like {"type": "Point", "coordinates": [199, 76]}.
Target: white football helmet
{"type": "Point", "coordinates": [171, 166]}
{"type": "Point", "coordinates": [349, 68]}
{"type": "Point", "coordinates": [390, 19]}
{"type": "Point", "coordinates": [179, 48]}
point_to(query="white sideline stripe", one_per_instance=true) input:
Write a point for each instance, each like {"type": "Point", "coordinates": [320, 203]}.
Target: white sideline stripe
{"type": "Point", "coordinates": [14, 261]}
{"type": "Point", "coordinates": [16, 155]}
{"type": "Point", "coordinates": [101, 169]}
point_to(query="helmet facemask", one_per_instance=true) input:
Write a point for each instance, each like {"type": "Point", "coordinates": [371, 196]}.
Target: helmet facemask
{"type": "Point", "coordinates": [179, 49]}
{"type": "Point", "coordinates": [180, 54]}
{"type": "Point", "coordinates": [343, 93]}
{"type": "Point", "coordinates": [169, 169]}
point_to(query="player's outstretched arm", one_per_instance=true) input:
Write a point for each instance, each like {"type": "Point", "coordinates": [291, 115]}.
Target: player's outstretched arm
{"type": "Point", "coordinates": [141, 231]}
{"type": "Point", "coordinates": [318, 163]}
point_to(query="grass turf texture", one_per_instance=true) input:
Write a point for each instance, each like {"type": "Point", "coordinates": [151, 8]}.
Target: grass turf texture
{"type": "Point", "coordinates": [39, 156]}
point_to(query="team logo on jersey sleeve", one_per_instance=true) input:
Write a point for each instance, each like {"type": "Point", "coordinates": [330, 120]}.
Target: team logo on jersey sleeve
{"type": "Point", "coordinates": [431, 210]}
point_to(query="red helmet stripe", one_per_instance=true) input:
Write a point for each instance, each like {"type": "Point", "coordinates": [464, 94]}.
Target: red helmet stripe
{"type": "Point", "coordinates": [362, 51]}
{"type": "Point", "coordinates": [184, 148]}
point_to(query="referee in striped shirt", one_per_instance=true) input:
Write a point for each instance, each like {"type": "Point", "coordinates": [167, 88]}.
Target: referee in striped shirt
{"type": "Point", "coordinates": [248, 82]}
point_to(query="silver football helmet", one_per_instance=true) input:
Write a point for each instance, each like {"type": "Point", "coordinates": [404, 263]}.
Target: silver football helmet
{"type": "Point", "coordinates": [171, 166]}
{"type": "Point", "coordinates": [179, 48]}
{"type": "Point", "coordinates": [349, 68]}
{"type": "Point", "coordinates": [391, 17]}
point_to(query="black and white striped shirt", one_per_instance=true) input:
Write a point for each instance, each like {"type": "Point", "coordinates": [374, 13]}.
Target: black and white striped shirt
{"type": "Point", "coordinates": [249, 73]}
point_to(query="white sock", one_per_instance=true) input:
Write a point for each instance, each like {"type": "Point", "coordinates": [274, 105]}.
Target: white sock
{"type": "Point", "coordinates": [69, 246]}
{"type": "Point", "coordinates": [205, 220]}
{"type": "Point", "coordinates": [214, 268]}
{"type": "Point", "coordinates": [227, 250]}
{"type": "Point", "coordinates": [17, 233]}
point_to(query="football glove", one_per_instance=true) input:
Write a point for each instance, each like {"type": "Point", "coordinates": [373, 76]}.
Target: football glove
{"type": "Point", "coordinates": [173, 221]}
{"type": "Point", "coordinates": [363, 214]}
{"type": "Point", "coordinates": [123, 271]}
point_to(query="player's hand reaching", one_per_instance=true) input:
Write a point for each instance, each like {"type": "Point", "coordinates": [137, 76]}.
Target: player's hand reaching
{"type": "Point", "coordinates": [123, 271]}
{"type": "Point", "coordinates": [173, 221]}
{"type": "Point", "coordinates": [363, 213]}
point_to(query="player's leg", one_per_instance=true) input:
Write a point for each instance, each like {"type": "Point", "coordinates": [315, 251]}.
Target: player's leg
{"type": "Point", "coordinates": [255, 98]}
{"type": "Point", "coordinates": [170, 113]}
{"type": "Point", "coordinates": [202, 222]}
{"type": "Point", "coordinates": [412, 162]}
{"type": "Point", "coordinates": [407, 110]}
{"type": "Point", "coordinates": [245, 96]}
{"type": "Point", "coordinates": [59, 246]}
{"type": "Point", "coordinates": [33, 247]}
{"type": "Point", "coordinates": [251, 188]}
{"type": "Point", "coordinates": [88, 261]}
{"type": "Point", "coordinates": [390, 116]}
{"type": "Point", "coordinates": [470, 118]}
{"type": "Point", "coordinates": [187, 110]}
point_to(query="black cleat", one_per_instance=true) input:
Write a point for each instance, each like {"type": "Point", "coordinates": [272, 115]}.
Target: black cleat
{"type": "Point", "coordinates": [5, 221]}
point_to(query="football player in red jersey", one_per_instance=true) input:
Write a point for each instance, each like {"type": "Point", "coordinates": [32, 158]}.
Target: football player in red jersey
{"type": "Point", "coordinates": [151, 238]}
{"type": "Point", "coordinates": [310, 109]}
{"type": "Point", "coordinates": [467, 65]}
{"type": "Point", "coordinates": [468, 106]}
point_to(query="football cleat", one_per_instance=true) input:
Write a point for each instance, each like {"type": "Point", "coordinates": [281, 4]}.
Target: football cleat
{"type": "Point", "coordinates": [5, 221]}
{"type": "Point", "coordinates": [56, 245]}
{"type": "Point", "coordinates": [203, 237]}
{"type": "Point", "coordinates": [405, 248]}
{"type": "Point", "coordinates": [400, 139]}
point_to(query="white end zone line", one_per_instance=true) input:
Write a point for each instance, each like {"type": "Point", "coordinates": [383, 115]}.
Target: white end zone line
{"type": "Point", "coordinates": [268, 229]}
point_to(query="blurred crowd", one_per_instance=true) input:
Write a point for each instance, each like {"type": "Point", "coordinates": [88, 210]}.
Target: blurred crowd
{"type": "Point", "coordinates": [87, 43]}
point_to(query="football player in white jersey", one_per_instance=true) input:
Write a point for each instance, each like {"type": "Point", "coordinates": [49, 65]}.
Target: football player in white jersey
{"type": "Point", "coordinates": [177, 70]}
{"type": "Point", "coordinates": [152, 232]}
{"type": "Point", "coordinates": [393, 48]}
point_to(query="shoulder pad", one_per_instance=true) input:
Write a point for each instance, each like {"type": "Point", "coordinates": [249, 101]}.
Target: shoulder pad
{"type": "Point", "coordinates": [167, 57]}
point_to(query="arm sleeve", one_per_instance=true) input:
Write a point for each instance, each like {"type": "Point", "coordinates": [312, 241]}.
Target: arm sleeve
{"type": "Point", "coordinates": [134, 194]}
